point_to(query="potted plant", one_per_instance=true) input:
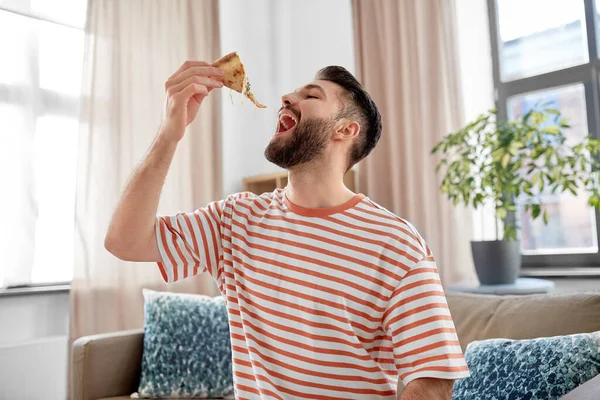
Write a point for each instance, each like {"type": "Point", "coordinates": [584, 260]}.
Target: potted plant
{"type": "Point", "coordinates": [511, 164]}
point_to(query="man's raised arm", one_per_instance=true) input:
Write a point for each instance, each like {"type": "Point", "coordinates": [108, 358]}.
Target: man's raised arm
{"type": "Point", "coordinates": [131, 234]}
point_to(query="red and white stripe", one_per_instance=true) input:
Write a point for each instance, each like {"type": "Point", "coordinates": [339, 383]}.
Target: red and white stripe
{"type": "Point", "coordinates": [329, 303]}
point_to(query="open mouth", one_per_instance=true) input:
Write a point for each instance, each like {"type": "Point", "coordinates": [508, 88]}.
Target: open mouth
{"type": "Point", "coordinates": [286, 123]}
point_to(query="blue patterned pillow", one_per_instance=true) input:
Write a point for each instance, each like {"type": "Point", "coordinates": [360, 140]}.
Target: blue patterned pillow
{"type": "Point", "coordinates": [543, 368]}
{"type": "Point", "coordinates": [187, 349]}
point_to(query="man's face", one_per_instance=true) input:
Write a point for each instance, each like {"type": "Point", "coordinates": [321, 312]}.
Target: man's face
{"type": "Point", "coordinates": [305, 124]}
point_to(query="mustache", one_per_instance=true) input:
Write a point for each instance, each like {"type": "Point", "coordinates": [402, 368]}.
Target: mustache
{"type": "Point", "coordinates": [292, 109]}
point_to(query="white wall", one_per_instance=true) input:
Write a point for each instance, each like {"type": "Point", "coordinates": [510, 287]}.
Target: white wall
{"type": "Point", "coordinates": [282, 43]}
{"type": "Point", "coordinates": [475, 55]}
{"type": "Point", "coordinates": [33, 346]}
{"type": "Point", "coordinates": [477, 84]}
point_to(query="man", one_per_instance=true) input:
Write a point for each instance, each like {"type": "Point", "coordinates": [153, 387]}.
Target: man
{"type": "Point", "coordinates": [329, 295]}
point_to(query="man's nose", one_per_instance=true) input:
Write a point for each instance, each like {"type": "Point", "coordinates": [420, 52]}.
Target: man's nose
{"type": "Point", "coordinates": [288, 100]}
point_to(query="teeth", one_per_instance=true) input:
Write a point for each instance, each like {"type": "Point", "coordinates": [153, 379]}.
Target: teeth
{"type": "Point", "coordinates": [282, 120]}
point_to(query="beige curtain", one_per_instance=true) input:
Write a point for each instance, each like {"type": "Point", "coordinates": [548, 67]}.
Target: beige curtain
{"type": "Point", "coordinates": [132, 47]}
{"type": "Point", "coordinates": [407, 58]}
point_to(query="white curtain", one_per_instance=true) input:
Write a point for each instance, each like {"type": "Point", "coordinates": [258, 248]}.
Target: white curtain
{"type": "Point", "coordinates": [132, 47]}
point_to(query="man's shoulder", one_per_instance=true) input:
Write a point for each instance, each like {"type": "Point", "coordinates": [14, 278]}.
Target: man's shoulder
{"type": "Point", "coordinates": [240, 196]}
{"type": "Point", "coordinates": [398, 229]}
{"type": "Point", "coordinates": [377, 210]}
{"type": "Point", "coordinates": [249, 198]}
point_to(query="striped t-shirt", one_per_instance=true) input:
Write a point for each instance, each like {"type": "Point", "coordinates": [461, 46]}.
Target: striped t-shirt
{"type": "Point", "coordinates": [328, 303]}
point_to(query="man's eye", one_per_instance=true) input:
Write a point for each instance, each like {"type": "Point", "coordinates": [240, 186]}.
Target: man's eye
{"type": "Point", "coordinates": [311, 97]}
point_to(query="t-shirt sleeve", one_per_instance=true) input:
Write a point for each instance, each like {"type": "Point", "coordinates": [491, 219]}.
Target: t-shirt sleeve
{"type": "Point", "coordinates": [425, 344]}
{"type": "Point", "coordinates": [190, 243]}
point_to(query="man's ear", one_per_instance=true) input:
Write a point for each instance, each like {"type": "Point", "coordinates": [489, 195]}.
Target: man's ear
{"type": "Point", "coordinates": [346, 129]}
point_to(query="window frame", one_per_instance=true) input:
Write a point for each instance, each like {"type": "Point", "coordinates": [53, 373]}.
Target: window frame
{"type": "Point", "coordinates": [587, 74]}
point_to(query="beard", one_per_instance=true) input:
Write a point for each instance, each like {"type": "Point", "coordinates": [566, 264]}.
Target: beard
{"type": "Point", "coordinates": [305, 144]}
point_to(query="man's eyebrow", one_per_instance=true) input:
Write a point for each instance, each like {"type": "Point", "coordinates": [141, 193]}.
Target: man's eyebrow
{"type": "Point", "coordinates": [313, 86]}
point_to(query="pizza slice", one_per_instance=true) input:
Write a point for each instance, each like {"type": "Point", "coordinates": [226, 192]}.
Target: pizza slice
{"type": "Point", "coordinates": [235, 76]}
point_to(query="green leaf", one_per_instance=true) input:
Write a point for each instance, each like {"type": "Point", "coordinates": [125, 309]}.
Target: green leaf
{"type": "Point", "coordinates": [553, 130]}
{"type": "Point", "coordinates": [546, 217]}
{"type": "Point", "coordinates": [537, 118]}
{"type": "Point", "coordinates": [556, 173]}
{"type": "Point", "coordinates": [535, 179]}
{"type": "Point", "coordinates": [497, 154]}
{"type": "Point", "coordinates": [564, 122]}
{"type": "Point", "coordinates": [535, 211]}
{"type": "Point", "coordinates": [501, 213]}
{"type": "Point", "coordinates": [505, 160]}
{"type": "Point", "coordinates": [510, 232]}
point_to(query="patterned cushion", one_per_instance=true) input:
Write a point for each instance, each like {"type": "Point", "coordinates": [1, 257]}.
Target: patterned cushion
{"type": "Point", "coordinates": [187, 349]}
{"type": "Point", "coordinates": [543, 368]}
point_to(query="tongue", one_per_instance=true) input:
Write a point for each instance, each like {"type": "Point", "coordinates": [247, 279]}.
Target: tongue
{"type": "Point", "coordinates": [289, 123]}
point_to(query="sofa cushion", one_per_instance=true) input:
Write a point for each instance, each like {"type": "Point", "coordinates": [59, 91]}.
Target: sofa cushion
{"type": "Point", "coordinates": [535, 369]}
{"type": "Point", "coordinates": [187, 348]}
{"type": "Point", "coordinates": [479, 317]}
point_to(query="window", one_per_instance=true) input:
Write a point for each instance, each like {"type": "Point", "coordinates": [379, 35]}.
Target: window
{"type": "Point", "coordinates": [40, 80]}
{"type": "Point", "coordinates": [546, 51]}
{"type": "Point", "coordinates": [538, 36]}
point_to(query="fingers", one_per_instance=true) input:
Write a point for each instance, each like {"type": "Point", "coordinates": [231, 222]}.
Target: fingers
{"type": "Point", "coordinates": [189, 64]}
{"type": "Point", "coordinates": [193, 89]}
{"type": "Point", "coordinates": [210, 72]}
{"type": "Point", "coordinates": [194, 70]}
{"type": "Point", "coordinates": [200, 80]}
{"type": "Point", "coordinates": [193, 79]}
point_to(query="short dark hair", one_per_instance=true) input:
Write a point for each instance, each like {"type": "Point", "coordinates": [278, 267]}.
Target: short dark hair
{"type": "Point", "coordinates": [360, 107]}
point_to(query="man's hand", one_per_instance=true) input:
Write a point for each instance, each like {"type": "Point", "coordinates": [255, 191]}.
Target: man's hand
{"type": "Point", "coordinates": [428, 389]}
{"type": "Point", "coordinates": [185, 91]}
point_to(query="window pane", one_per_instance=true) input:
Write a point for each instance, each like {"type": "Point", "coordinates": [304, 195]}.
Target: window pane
{"type": "Point", "coordinates": [538, 36]}
{"type": "Point", "coordinates": [61, 58]}
{"type": "Point", "coordinates": [16, 205]}
{"type": "Point", "coordinates": [55, 160]}
{"type": "Point", "coordinates": [572, 224]}
{"type": "Point", "coordinates": [14, 68]}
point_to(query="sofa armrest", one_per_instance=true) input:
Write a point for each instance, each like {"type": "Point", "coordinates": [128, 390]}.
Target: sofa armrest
{"type": "Point", "coordinates": [106, 365]}
{"type": "Point", "coordinates": [588, 391]}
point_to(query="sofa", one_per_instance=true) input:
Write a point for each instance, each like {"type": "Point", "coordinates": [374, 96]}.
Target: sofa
{"type": "Point", "coordinates": [107, 366]}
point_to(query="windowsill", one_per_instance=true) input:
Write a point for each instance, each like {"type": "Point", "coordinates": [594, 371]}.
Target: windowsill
{"type": "Point", "coordinates": [571, 272]}
{"type": "Point", "coordinates": [29, 290]}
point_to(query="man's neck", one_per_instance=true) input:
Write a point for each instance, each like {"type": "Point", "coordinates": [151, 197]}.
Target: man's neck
{"type": "Point", "coordinates": [317, 188]}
